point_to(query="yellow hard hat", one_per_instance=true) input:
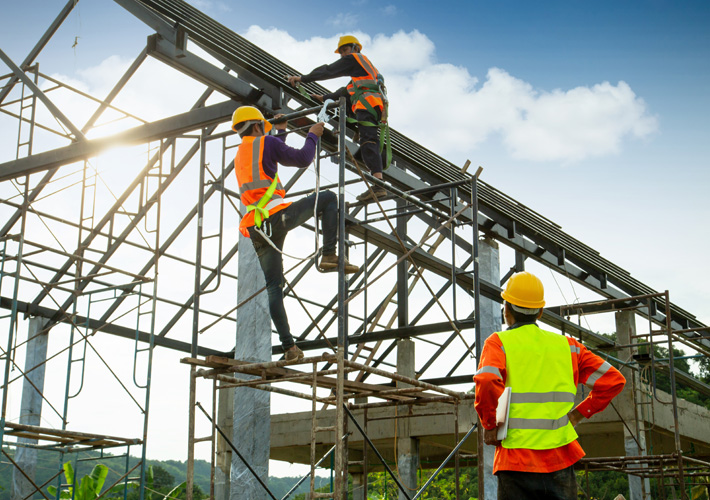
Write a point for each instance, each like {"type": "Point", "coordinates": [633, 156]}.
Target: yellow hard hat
{"type": "Point", "coordinates": [347, 39]}
{"type": "Point", "coordinates": [524, 290]}
{"type": "Point", "coordinates": [246, 114]}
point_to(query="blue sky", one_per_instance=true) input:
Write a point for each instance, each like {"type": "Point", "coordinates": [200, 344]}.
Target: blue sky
{"type": "Point", "coordinates": [627, 173]}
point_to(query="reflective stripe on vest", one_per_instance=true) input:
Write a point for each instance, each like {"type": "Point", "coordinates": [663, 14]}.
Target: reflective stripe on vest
{"type": "Point", "coordinates": [364, 90]}
{"type": "Point", "coordinates": [539, 372]}
{"type": "Point", "coordinates": [253, 181]}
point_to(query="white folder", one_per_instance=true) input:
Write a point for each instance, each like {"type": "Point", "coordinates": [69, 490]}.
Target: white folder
{"type": "Point", "coordinates": [502, 412]}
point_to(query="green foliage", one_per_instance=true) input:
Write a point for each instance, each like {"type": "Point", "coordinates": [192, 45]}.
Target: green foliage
{"type": "Point", "coordinates": [704, 369]}
{"type": "Point", "coordinates": [88, 488]}
{"type": "Point", "coordinates": [159, 486]}
{"type": "Point", "coordinates": [602, 485]}
{"type": "Point", "coordinates": [380, 485]}
{"type": "Point", "coordinates": [161, 477]}
{"type": "Point", "coordinates": [701, 491]}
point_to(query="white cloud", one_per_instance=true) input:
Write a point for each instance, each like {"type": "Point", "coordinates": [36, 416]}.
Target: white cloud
{"type": "Point", "coordinates": [389, 10]}
{"type": "Point", "coordinates": [343, 19]}
{"type": "Point", "coordinates": [460, 114]}
{"type": "Point", "coordinates": [578, 123]}
{"type": "Point", "coordinates": [151, 94]}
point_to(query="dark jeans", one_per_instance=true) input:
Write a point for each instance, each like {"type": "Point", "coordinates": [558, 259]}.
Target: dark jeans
{"type": "Point", "coordinates": [558, 485]}
{"type": "Point", "coordinates": [370, 141]}
{"type": "Point", "coordinates": [271, 261]}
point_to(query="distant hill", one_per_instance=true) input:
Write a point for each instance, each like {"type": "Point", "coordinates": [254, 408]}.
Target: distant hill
{"type": "Point", "coordinates": [48, 464]}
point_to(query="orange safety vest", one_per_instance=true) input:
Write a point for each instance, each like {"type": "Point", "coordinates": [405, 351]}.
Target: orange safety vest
{"type": "Point", "coordinates": [253, 181]}
{"type": "Point", "coordinates": [366, 86]}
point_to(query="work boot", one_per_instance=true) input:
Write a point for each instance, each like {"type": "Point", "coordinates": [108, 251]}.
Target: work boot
{"type": "Point", "coordinates": [367, 196]}
{"type": "Point", "coordinates": [294, 353]}
{"type": "Point", "coordinates": [330, 263]}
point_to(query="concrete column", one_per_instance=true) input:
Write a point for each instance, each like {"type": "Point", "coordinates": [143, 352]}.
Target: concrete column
{"type": "Point", "coordinates": [360, 480]}
{"type": "Point", "coordinates": [489, 270]}
{"type": "Point", "coordinates": [358, 487]}
{"type": "Point", "coordinates": [252, 415]}
{"type": "Point", "coordinates": [634, 444]}
{"type": "Point", "coordinates": [225, 420]}
{"type": "Point", "coordinates": [31, 408]}
{"type": "Point", "coordinates": [407, 447]}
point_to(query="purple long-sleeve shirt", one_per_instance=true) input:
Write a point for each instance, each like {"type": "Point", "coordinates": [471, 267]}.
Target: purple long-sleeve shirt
{"type": "Point", "coordinates": [276, 151]}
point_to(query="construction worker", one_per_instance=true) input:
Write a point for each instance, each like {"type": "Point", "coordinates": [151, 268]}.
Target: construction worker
{"type": "Point", "coordinates": [365, 93]}
{"type": "Point", "coordinates": [268, 216]}
{"type": "Point", "coordinates": [536, 459]}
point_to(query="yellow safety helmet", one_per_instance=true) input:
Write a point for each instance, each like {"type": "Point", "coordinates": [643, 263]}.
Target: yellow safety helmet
{"type": "Point", "coordinates": [348, 39]}
{"type": "Point", "coordinates": [524, 290]}
{"type": "Point", "coordinates": [245, 116]}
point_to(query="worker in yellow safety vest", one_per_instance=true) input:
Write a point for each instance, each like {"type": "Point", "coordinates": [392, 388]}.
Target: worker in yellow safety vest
{"type": "Point", "coordinates": [542, 369]}
{"type": "Point", "coordinates": [367, 97]}
{"type": "Point", "coordinates": [268, 216]}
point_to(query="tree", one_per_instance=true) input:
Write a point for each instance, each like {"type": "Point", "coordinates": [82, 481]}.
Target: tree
{"type": "Point", "coordinates": [161, 478]}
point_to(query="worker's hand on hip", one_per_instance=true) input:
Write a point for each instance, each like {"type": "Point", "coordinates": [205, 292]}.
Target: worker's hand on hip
{"type": "Point", "coordinates": [317, 129]}
{"type": "Point", "coordinates": [280, 125]}
{"type": "Point", "coordinates": [575, 417]}
{"type": "Point", "coordinates": [293, 80]}
{"type": "Point", "coordinates": [317, 97]}
{"type": "Point", "coordinates": [490, 437]}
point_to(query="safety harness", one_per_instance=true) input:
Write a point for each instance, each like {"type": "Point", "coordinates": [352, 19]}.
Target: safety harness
{"type": "Point", "coordinates": [363, 88]}
{"type": "Point", "coordinates": [261, 213]}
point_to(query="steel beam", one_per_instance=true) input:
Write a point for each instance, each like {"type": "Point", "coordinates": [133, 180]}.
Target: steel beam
{"type": "Point", "coordinates": [68, 7]}
{"type": "Point", "coordinates": [167, 127]}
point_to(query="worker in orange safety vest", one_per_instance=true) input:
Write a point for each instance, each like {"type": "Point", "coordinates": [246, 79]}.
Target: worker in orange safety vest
{"type": "Point", "coordinates": [536, 459]}
{"type": "Point", "coordinates": [268, 216]}
{"type": "Point", "coordinates": [367, 98]}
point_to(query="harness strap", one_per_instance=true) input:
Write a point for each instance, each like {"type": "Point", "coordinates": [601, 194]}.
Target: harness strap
{"type": "Point", "coordinates": [261, 213]}
{"type": "Point", "coordinates": [385, 142]}
{"type": "Point", "coordinates": [384, 129]}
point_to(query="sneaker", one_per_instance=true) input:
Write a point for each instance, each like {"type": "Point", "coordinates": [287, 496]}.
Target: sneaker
{"type": "Point", "coordinates": [294, 353]}
{"type": "Point", "coordinates": [367, 196]}
{"type": "Point", "coordinates": [330, 263]}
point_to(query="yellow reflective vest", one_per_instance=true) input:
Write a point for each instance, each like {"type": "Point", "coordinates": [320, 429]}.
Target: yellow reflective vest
{"type": "Point", "coordinates": [538, 367]}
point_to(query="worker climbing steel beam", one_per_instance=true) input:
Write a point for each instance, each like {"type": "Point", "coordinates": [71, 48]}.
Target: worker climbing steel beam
{"type": "Point", "coordinates": [268, 217]}
{"type": "Point", "coordinates": [536, 458]}
{"type": "Point", "coordinates": [367, 97]}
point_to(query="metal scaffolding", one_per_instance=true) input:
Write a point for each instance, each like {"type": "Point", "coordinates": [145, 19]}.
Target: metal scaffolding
{"type": "Point", "coordinates": [640, 361]}
{"type": "Point", "coordinates": [80, 253]}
